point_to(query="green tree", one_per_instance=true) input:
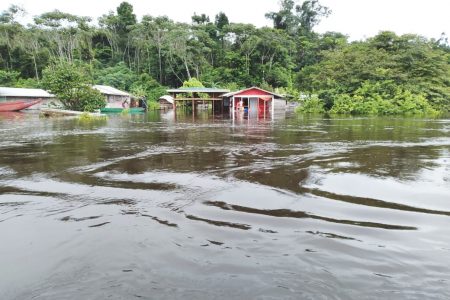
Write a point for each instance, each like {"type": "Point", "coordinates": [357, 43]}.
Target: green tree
{"type": "Point", "coordinates": [221, 20]}
{"type": "Point", "coordinates": [192, 82]}
{"type": "Point", "coordinates": [285, 18]}
{"type": "Point", "coordinates": [409, 60]}
{"type": "Point", "coordinates": [309, 14]}
{"type": "Point", "coordinates": [298, 18]}
{"type": "Point", "coordinates": [118, 26]}
{"type": "Point", "coordinates": [8, 78]}
{"type": "Point", "coordinates": [118, 76]}
{"type": "Point", "coordinates": [10, 33]}
{"type": "Point", "coordinates": [200, 19]}
{"type": "Point", "coordinates": [71, 85]}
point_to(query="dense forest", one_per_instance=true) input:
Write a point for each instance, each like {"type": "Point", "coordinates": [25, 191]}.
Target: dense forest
{"type": "Point", "coordinates": [385, 74]}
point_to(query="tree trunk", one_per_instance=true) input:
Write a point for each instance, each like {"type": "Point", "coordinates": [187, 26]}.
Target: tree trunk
{"type": "Point", "coordinates": [35, 67]}
{"type": "Point", "coordinates": [187, 68]}
{"type": "Point", "coordinates": [160, 64]}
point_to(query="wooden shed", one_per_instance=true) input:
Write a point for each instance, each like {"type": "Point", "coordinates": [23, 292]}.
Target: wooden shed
{"type": "Point", "coordinates": [114, 97]}
{"type": "Point", "coordinates": [166, 102]}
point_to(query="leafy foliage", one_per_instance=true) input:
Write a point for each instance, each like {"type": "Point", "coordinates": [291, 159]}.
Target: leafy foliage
{"type": "Point", "coordinates": [311, 104]}
{"type": "Point", "coordinates": [146, 56]}
{"type": "Point", "coordinates": [89, 118]}
{"type": "Point", "coordinates": [71, 84]}
{"type": "Point", "coordinates": [118, 76]}
{"type": "Point", "coordinates": [382, 98]}
{"type": "Point", "coordinates": [148, 87]}
{"type": "Point", "coordinates": [8, 78]}
{"type": "Point", "coordinates": [193, 83]}
{"type": "Point", "coordinates": [407, 61]}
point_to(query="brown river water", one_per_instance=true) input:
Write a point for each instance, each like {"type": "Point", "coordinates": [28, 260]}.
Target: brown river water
{"type": "Point", "coordinates": [158, 207]}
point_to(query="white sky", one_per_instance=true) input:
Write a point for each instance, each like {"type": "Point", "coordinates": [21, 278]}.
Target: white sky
{"type": "Point", "coordinates": [356, 18]}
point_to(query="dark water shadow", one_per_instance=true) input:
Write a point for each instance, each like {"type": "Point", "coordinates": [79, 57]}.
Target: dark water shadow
{"type": "Point", "coordinates": [286, 213]}
{"type": "Point", "coordinates": [372, 202]}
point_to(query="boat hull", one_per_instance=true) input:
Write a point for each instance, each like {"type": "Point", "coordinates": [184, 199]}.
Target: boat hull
{"type": "Point", "coordinates": [17, 105]}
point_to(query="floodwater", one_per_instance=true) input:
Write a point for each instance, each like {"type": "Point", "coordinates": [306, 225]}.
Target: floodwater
{"type": "Point", "coordinates": [158, 207]}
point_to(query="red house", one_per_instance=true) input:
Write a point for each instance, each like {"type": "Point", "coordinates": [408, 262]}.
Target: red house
{"type": "Point", "coordinates": [255, 101]}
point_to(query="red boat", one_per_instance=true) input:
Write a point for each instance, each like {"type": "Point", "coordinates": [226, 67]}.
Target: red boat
{"type": "Point", "coordinates": [17, 105]}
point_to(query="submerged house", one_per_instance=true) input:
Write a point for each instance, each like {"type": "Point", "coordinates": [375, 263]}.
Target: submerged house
{"type": "Point", "coordinates": [254, 101]}
{"type": "Point", "coordinates": [166, 102]}
{"type": "Point", "coordinates": [14, 94]}
{"type": "Point", "coordinates": [25, 94]}
{"type": "Point", "coordinates": [193, 96]}
{"type": "Point", "coordinates": [114, 97]}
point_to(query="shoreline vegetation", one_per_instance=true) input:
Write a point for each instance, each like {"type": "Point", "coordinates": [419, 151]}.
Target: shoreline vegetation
{"type": "Point", "coordinates": [386, 74]}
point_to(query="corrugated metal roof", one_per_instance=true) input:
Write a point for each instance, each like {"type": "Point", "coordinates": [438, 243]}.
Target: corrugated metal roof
{"type": "Point", "coordinates": [167, 98]}
{"type": "Point", "coordinates": [198, 90]}
{"type": "Point", "coordinates": [228, 94]}
{"type": "Point", "coordinates": [109, 90]}
{"type": "Point", "coordinates": [253, 87]}
{"type": "Point", "coordinates": [24, 92]}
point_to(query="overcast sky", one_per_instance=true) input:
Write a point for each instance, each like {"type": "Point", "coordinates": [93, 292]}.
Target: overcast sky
{"type": "Point", "coordinates": [356, 18]}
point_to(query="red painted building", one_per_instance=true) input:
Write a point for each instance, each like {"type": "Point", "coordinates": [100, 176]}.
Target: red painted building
{"type": "Point", "coordinates": [254, 101]}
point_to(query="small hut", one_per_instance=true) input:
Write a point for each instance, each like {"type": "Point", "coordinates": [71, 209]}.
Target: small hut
{"type": "Point", "coordinates": [166, 102]}
{"type": "Point", "coordinates": [114, 97]}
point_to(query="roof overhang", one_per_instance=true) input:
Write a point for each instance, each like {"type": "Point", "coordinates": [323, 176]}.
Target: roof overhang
{"type": "Point", "coordinates": [198, 90]}
{"type": "Point", "coordinates": [237, 94]}
{"type": "Point", "coordinates": [24, 92]}
{"type": "Point", "coordinates": [167, 98]}
{"type": "Point", "coordinates": [109, 90]}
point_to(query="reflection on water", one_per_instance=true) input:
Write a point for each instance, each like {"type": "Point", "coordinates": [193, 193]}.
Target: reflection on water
{"type": "Point", "coordinates": [175, 206]}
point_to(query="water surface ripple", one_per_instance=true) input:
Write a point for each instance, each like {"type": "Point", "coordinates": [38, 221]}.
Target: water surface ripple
{"type": "Point", "coordinates": [158, 207]}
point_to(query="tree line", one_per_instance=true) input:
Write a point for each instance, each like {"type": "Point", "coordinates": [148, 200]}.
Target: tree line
{"type": "Point", "coordinates": [325, 71]}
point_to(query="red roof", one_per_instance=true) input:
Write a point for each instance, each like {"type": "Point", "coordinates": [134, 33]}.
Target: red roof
{"type": "Point", "coordinates": [253, 91]}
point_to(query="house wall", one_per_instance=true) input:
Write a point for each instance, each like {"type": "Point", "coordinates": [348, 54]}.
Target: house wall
{"type": "Point", "coordinates": [164, 104]}
{"type": "Point", "coordinates": [116, 98]}
{"type": "Point", "coordinates": [46, 102]}
{"type": "Point", "coordinates": [18, 98]}
{"type": "Point", "coordinates": [116, 101]}
{"type": "Point", "coordinates": [280, 104]}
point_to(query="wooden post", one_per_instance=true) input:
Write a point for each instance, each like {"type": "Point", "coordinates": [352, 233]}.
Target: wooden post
{"type": "Point", "coordinates": [174, 101]}
{"type": "Point", "coordinates": [232, 107]}
{"type": "Point", "coordinates": [264, 108]}
{"type": "Point", "coordinates": [273, 106]}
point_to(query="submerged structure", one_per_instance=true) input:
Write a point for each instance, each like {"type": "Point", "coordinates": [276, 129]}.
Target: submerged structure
{"type": "Point", "coordinates": [38, 97]}
{"type": "Point", "coordinates": [194, 96]}
{"type": "Point", "coordinates": [166, 102]}
{"type": "Point", "coordinates": [114, 98]}
{"type": "Point", "coordinates": [253, 101]}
